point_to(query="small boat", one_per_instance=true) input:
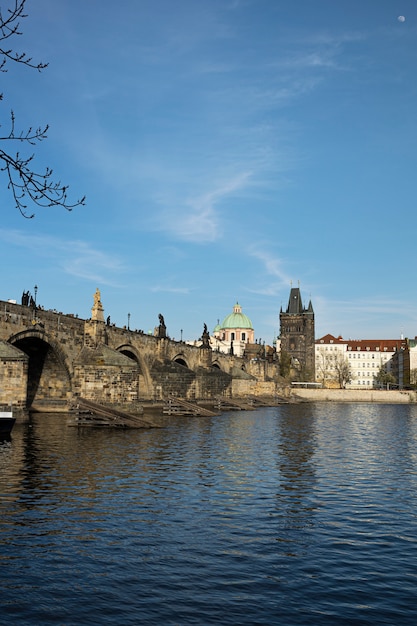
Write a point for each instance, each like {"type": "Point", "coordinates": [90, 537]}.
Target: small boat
{"type": "Point", "coordinates": [6, 422]}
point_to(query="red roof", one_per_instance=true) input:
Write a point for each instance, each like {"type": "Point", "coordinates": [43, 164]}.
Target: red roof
{"type": "Point", "coordinates": [381, 345]}
{"type": "Point", "coordinates": [331, 339]}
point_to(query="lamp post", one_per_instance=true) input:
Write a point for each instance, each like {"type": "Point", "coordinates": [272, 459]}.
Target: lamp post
{"type": "Point", "coordinates": [34, 307]}
{"type": "Point", "coordinates": [128, 321]}
{"type": "Point", "coordinates": [181, 334]}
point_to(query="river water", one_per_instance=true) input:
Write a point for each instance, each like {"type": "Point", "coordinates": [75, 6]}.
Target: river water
{"type": "Point", "coordinates": [298, 514]}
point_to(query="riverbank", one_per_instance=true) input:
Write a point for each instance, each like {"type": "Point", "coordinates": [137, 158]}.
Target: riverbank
{"type": "Point", "coordinates": [157, 411]}
{"type": "Point", "coordinates": [393, 396]}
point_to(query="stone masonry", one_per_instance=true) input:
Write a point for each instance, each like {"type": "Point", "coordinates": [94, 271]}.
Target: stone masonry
{"type": "Point", "coordinates": [48, 359]}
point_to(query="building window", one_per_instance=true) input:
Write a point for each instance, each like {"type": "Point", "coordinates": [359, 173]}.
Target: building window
{"type": "Point", "coordinates": [243, 336]}
{"type": "Point", "coordinates": [232, 336]}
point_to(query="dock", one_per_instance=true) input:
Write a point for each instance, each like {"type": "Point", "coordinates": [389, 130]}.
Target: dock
{"type": "Point", "coordinates": [93, 414]}
{"type": "Point", "coordinates": [233, 404]}
{"type": "Point", "coordinates": [178, 406]}
{"type": "Point", "coordinates": [262, 401]}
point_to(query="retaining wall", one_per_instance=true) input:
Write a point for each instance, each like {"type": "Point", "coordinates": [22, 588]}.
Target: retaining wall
{"type": "Point", "coordinates": [356, 395]}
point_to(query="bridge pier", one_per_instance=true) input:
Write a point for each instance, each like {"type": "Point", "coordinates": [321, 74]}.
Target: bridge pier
{"type": "Point", "coordinates": [14, 366]}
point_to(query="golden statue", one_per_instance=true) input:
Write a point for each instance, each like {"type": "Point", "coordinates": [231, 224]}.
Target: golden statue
{"type": "Point", "coordinates": [97, 310]}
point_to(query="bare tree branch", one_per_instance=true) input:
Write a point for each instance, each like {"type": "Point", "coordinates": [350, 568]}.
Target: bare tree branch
{"type": "Point", "coordinates": [10, 26]}
{"type": "Point", "coordinates": [26, 184]}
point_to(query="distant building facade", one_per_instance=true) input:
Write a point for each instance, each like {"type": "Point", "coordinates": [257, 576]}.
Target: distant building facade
{"type": "Point", "coordinates": [297, 336]}
{"type": "Point", "coordinates": [407, 362]}
{"type": "Point", "coordinates": [365, 359]}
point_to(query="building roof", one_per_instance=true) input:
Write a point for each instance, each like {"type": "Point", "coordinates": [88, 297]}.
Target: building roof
{"type": "Point", "coordinates": [237, 319]}
{"type": "Point", "coordinates": [379, 345]}
{"type": "Point", "coordinates": [367, 345]}
{"type": "Point", "coordinates": [217, 327]}
{"type": "Point", "coordinates": [295, 304]}
{"type": "Point", "coordinates": [331, 339]}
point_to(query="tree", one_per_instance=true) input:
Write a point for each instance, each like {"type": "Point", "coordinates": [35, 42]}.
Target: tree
{"type": "Point", "coordinates": [334, 368]}
{"type": "Point", "coordinates": [385, 378]}
{"type": "Point", "coordinates": [324, 367]}
{"type": "Point", "coordinates": [413, 377]}
{"type": "Point", "coordinates": [24, 181]}
{"type": "Point", "coordinates": [343, 371]}
{"type": "Point", "coordinates": [284, 364]}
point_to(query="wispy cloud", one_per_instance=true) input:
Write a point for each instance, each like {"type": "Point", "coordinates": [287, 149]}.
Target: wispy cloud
{"type": "Point", "coordinates": [365, 306]}
{"type": "Point", "coordinates": [164, 289]}
{"type": "Point", "coordinates": [332, 40]}
{"type": "Point", "coordinates": [321, 51]}
{"type": "Point", "coordinates": [197, 219]}
{"type": "Point", "coordinates": [92, 264]}
{"type": "Point", "coordinates": [354, 315]}
{"type": "Point", "coordinates": [272, 266]}
{"type": "Point", "coordinates": [74, 257]}
{"type": "Point", "coordinates": [313, 59]}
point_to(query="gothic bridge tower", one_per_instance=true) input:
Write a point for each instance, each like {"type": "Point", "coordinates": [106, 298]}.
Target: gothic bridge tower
{"type": "Point", "coordinates": [297, 335]}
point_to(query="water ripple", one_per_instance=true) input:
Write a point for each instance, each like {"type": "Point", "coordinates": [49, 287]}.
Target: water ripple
{"type": "Point", "coordinates": [291, 515]}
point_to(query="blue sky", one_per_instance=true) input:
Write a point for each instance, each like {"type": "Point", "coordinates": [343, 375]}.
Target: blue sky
{"type": "Point", "coordinates": [227, 149]}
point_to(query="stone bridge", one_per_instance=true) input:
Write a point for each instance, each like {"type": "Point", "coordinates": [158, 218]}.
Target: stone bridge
{"type": "Point", "coordinates": [48, 359]}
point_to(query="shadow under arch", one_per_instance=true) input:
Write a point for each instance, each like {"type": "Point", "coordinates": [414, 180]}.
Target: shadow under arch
{"type": "Point", "coordinates": [132, 353]}
{"type": "Point", "coordinates": [180, 360]}
{"type": "Point", "coordinates": [49, 381]}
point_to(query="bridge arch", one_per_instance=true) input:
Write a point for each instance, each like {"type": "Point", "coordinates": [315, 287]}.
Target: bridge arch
{"type": "Point", "coordinates": [133, 353]}
{"type": "Point", "coordinates": [49, 383]}
{"type": "Point", "coordinates": [180, 359]}
{"type": "Point", "coordinates": [129, 351]}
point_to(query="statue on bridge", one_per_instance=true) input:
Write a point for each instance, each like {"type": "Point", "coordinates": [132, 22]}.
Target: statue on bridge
{"type": "Point", "coordinates": [161, 329]}
{"type": "Point", "coordinates": [205, 338]}
{"type": "Point", "coordinates": [97, 311]}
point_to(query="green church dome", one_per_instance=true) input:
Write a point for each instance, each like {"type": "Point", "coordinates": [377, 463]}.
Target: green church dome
{"type": "Point", "coordinates": [237, 319]}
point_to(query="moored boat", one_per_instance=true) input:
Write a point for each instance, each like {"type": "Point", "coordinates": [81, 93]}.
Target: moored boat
{"type": "Point", "coordinates": [6, 422]}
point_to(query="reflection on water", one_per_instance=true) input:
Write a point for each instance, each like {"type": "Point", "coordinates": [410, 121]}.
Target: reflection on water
{"type": "Point", "coordinates": [295, 515]}
{"type": "Point", "coordinates": [296, 448]}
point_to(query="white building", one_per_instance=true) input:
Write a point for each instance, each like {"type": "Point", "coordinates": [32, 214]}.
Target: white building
{"type": "Point", "coordinates": [364, 357]}
{"type": "Point", "coordinates": [329, 353]}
